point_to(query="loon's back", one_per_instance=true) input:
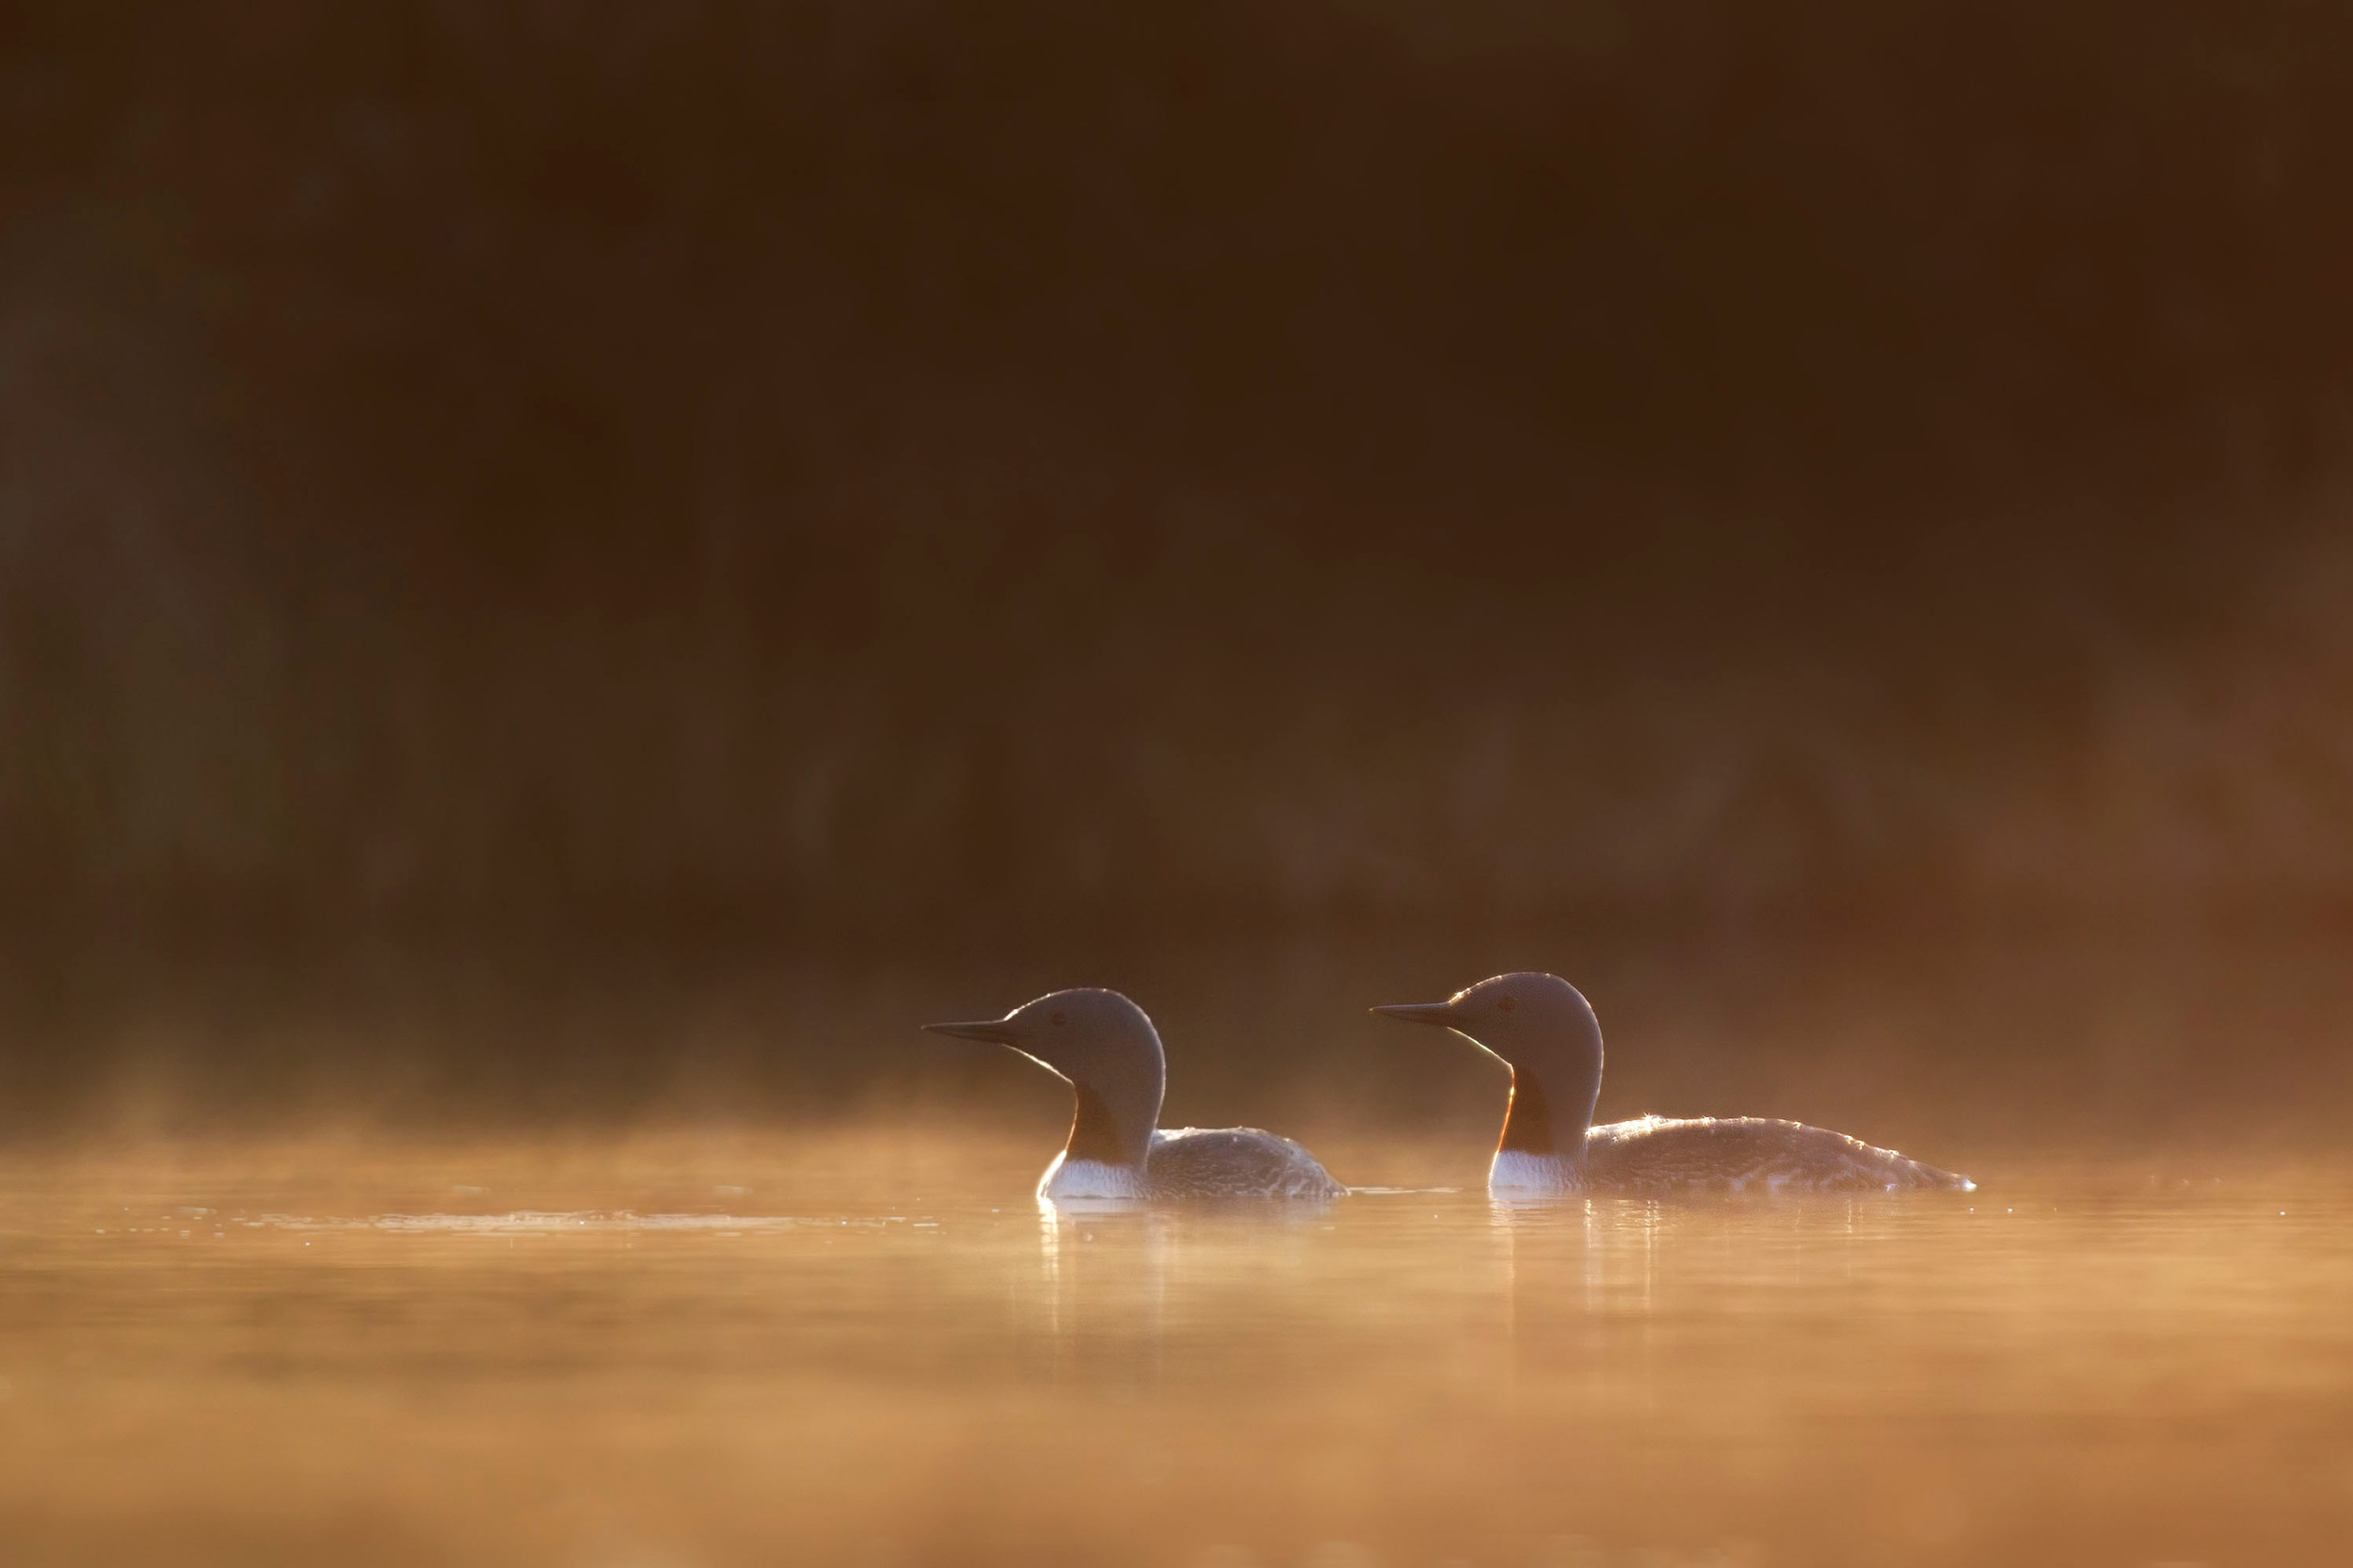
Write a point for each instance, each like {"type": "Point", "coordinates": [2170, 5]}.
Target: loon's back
{"type": "Point", "coordinates": [1232, 1163]}
{"type": "Point", "coordinates": [1657, 1154]}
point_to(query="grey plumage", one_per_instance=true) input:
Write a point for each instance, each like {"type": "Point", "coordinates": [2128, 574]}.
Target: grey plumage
{"type": "Point", "coordinates": [1233, 1162]}
{"type": "Point", "coordinates": [1657, 1154]}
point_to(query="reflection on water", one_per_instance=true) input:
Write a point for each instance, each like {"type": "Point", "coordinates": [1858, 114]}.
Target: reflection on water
{"type": "Point", "coordinates": [463, 1358]}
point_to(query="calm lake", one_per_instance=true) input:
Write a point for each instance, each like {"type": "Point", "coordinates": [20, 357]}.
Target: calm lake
{"type": "Point", "coordinates": [875, 1350]}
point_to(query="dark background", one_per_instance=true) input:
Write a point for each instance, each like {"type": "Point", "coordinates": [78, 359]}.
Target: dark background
{"type": "Point", "coordinates": [551, 491]}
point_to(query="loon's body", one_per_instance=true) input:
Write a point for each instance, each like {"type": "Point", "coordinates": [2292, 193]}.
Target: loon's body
{"type": "Point", "coordinates": [1541, 1026]}
{"type": "Point", "coordinates": [1737, 1154]}
{"type": "Point", "coordinates": [1197, 1162]}
{"type": "Point", "coordinates": [1108, 1050]}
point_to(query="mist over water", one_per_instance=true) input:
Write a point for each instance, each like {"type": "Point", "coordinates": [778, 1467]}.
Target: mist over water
{"type": "Point", "coordinates": [2039, 1043]}
{"type": "Point", "coordinates": [593, 1275]}
{"type": "Point", "coordinates": [875, 1349]}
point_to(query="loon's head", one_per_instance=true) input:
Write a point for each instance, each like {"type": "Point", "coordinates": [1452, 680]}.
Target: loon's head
{"type": "Point", "coordinates": [1543, 1029]}
{"type": "Point", "coordinates": [1107, 1048]}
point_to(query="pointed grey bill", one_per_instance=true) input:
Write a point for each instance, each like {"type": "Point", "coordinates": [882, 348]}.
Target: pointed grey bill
{"type": "Point", "coordinates": [995, 1031]}
{"type": "Point", "coordinates": [1442, 1014]}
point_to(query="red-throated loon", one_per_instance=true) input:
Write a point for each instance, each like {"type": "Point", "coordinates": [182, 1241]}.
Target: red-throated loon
{"type": "Point", "coordinates": [1544, 1030]}
{"type": "Point", "coordinates": [1107, 1048]}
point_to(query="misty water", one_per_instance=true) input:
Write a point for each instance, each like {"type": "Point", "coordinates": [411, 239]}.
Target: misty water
{"type": "Point", "coordinates": [872, 1347]}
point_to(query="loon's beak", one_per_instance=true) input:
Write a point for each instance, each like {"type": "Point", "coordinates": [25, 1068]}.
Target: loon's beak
{"type": "Point", "coordinates": [1440, 1014]}
{"type": "Point", "coordinates": [993, 1032]}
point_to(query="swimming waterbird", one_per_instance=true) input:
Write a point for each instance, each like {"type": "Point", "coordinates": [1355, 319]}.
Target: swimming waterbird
{"type": "Point", "coordinates": [1109, 1052]}
{"type": "Point", "coordinates": [1542, 1029]}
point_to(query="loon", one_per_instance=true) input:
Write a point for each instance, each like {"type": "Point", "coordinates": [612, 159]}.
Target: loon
{"type": "Point", "coordinates": [1542, 1029]}
{"type": "Point", "coordinates": [1108, 1050]}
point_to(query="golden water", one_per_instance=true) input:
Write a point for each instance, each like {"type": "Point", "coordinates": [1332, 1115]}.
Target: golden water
{"type": "Point", "coordinates": [878, 1352]}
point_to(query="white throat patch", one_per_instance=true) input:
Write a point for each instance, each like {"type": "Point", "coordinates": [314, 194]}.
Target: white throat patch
{"type": "Point", "coordinates": [1089, 1178]}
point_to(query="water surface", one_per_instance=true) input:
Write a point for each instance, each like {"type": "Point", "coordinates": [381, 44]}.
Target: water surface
{"type": "Point", "coordinates": [820, 1352]}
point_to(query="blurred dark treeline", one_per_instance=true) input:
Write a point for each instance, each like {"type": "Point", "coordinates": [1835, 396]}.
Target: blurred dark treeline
{"type": "Point", "coordinates": [873, 465]}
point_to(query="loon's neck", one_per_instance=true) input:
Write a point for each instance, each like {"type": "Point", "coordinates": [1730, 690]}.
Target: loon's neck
{"type": "Point", "coordinates": [1527, 1121]}
{"type": "Point", "coordinates": [1116, 1127]}
{"type": "Point", "coordinates": [1551, 1108]}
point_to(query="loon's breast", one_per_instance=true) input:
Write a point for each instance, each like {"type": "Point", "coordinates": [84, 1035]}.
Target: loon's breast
{"type": "Point", "coordinates": [1233, 1162]}
{"type": "Point", "coordinates": [1736, 1153]}
{"type": "Point", "coordinates": [1067, 1180]}
{"type": "Point", "coordinates": [1517, 1173]}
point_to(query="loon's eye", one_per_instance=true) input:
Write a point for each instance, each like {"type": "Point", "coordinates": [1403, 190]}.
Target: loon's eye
{"type": "Point", "coordinates": [1059, 1019]}
{"type": "Point", "coordinates": [1505, 1004]}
